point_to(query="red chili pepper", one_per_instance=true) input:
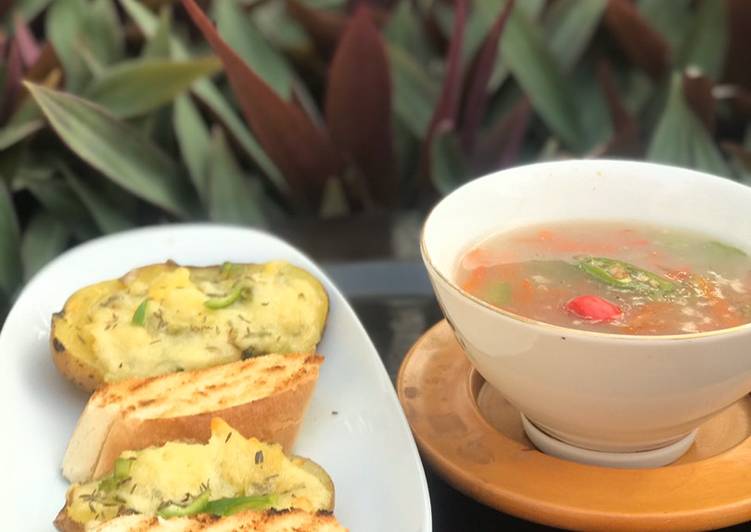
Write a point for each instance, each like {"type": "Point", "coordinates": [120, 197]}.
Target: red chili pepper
{"type": "Point", "coordinates": [593, 308]}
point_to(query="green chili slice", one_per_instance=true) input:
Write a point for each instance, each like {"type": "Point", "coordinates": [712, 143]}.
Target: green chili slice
{"type": "Point", "coordinates": [224, 301]}
{"type": "Point", "coordinates": [196, 506]}
{"type": "Point", "coordinates": [139, 316]}
{"type": "Point", "coordinates": [625, 276]}
{"type": "Point", "coordinates": [120, 472]}
{"type": "Point", "coordinates": [232, 505]}
{"type": "Point", "coordinates": [227, 268]}
{"type": "Point", "coordinates": [499, 293]}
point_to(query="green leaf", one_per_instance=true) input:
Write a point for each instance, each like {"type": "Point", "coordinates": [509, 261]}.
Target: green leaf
{"type": "Point", "coordinates": [707, 41]}
{"type": "Point", "coordinates": [569, 26]}
{"type": "Point", "coordinates": [681, 139]}
{"type": "Point", "coordinates": [212, 97]}
{"type": "Point", "coordinates": [29, 9]}
{"type": "Point", "coordinates": [10, 258]}
{"type": "Point", "coordinates": [523, 50]}
{"type": "Point", "coordinates": [103, 33]}
{"type": "Point", "coordinates": [414, 93]}
{"type": "Point", "coordinates": [194, 140]}
{"type": "Point", "coordinates": [12, 133]}
{"type": "Point", "coordinates": [54, 194]}
{"type": "Point", "coordinates": [114, 148]}
{"type": "Point", "coordinates": [139, 86]}
{"type": "Point", "coordinates": [64, 22]}
{"type": "Point", "coordinates": [672, 19]}
{"type": "Point", "coordinates": [158, 45]}
{"type": "Point", "coordinates": [404, 30]}
{"type": "Point", "coordinates": [241, 34]}
{"type": "Point", "coordinates": [108, 216]}
{"type": "Point", "coordinates": [231, 196]}
{"type": "Point", "coordinates": [448, 168]}
{"type": "Point", "coordinates": [44, 239]}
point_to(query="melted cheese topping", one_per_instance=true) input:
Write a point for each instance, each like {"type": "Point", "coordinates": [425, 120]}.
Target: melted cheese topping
{"type": "Point", "coordinates": [280, 311]}
{"type": "Point", "coordinates": [228, 466]}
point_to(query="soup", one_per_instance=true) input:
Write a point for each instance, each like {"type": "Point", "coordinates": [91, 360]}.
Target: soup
{"type": "Point", "coordinates": [625, 278]}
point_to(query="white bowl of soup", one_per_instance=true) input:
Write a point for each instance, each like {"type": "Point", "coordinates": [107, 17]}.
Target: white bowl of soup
{"type": "Point", "coordinates": [609, 301]}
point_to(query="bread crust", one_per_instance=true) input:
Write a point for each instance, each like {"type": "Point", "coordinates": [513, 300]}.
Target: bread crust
{"type": "Point", "coordinates": [139, 413]}
{"type": "Point", "coordinates": [274, 419]}
{"type": "Point", "coordinates": [72, 355]}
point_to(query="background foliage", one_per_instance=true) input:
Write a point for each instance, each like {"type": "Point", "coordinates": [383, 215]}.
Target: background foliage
{"type": "Point", "coordinates": [115, 113]}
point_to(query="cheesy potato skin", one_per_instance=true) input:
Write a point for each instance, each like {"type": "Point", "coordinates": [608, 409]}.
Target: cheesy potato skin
{"type": "Point", "coordinates": [228, 466]}
{"type": "Point", "coordinates": [163, 318]}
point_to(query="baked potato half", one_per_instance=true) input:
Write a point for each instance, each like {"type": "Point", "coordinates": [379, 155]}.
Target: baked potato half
{"type": "Point", "coordinates": [227, 475]}
{"type": "Point", "coordinates": [164, 318]}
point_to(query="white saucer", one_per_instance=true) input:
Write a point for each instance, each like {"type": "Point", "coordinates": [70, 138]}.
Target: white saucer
{"type": "Point", "coordinates": [636, 460]}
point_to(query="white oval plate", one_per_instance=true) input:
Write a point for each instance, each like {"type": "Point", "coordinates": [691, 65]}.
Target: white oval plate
{"type": "Point", "coordinates": [354, 428]}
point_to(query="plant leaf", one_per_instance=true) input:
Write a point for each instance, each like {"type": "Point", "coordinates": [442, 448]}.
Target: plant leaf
{"type": "Point", "coordinates": [158, 45]}
{"type": "Point", "coordinates": [414, 93]}
{"type": "Point", "coordinates": [12, 133]}
{"type": "Point", "coordinates": [697, 90]}
{"type": "Point", "coordinates": [500, 145]}
{"type": "Point", "coordinates": [139, 86]}
{"type": "Point", "coordinates": [476, 95]}
{"type": "Point", "coordinates": [448, 168]}
{"type": "Point", "coordinates": [707, 41]}
{"type": "Point", "coordinates": [303, 152]}
{"type": "Point", "coordinates": [230, 194]}
{"type": "Point", "coordinates": [53, 194]}
{"type": "Point", "coordinates": [324, 27]}
{"type": "Point", "coordinates": [641, 43]}
{"type": "Point", "coordinates": [64, 21]}
{"type": "Point", "coordinates": [535, 69]}
{"type": "Point", "coordinates": [358, 105]}
{"type": "Point", "coordinates": [44, 239]}
{"type": "Point", "coordinates": [237, 29]}
{"type": "Point", "coordinates": [10, 258]}
{"type": "Point", "coordinates": [570, 25]}
{"type": "Point", "coordinates": [736, 62]}
{"type": "Point", "coordinates": [27, 44]}
{"type": "Point", "coordinates": [625, 136]}
{"type": "Point", "coordinates": [671, 19]}
{"type": "Point", "coordinates": [102, 32]}
{"type": "Point", "coordinates": [681, 139]}
{"type": "Point", "coordinates": [108, 217]}
{"type": "Point", "coordinates": [194, 140]}
{"type": "Point", "coordinates": [113, 148]}
{"type": "Point", "coordinates": [212, 97]}
{"type": "Point", "coordinates": [405, 30]}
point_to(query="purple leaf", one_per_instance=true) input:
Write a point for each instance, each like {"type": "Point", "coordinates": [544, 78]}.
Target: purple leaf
{"type": "Point", "coordinates": [736, 62]}
{"type": "Point", "coordinates": [303, 152]}
{"type": "Point", "coordinates": [641, 43]}
{"type": "Point", "coordinates": [13, 76]}
{"type": "Point", "coordinates": [500, 146]}
{"type": "Point", "coordinates": [358, 105]}
{"type": "Point", "coordinates": [324, 27]}
{"type": "Point", "coordinates": [697, 89]}
{"type": "Point", "coordinates": [445, 113]}
{"type": "Point", "coordinates": [625, 139]}
{"type": "Point", "coordinates": [477, 95]}
{"type": "Point", "coordinates": [27, 44]}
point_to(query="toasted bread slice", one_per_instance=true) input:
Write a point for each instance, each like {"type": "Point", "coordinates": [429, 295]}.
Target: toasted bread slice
{"type": "Point", "coordinates": [164, 318]}
{"type": "Point", "coordinates": [265, 397]}
{"type": "Point", "coordinates": [227, 475]}
{"type": "Point", "coordinates": [250, 521]}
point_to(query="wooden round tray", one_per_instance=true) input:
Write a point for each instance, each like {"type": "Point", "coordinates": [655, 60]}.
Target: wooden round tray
{"type": "Point", "coordinates": [473, 437]}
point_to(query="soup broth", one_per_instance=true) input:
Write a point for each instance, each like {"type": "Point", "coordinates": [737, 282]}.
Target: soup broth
{"type": "Point", "coordinates": [625, 278]}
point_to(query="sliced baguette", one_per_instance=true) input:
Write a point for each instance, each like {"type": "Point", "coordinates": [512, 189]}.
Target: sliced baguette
{"type": "Point", "coordinates": [265, 397]}
{"type": "Point", "coordinates": [270, 521]}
